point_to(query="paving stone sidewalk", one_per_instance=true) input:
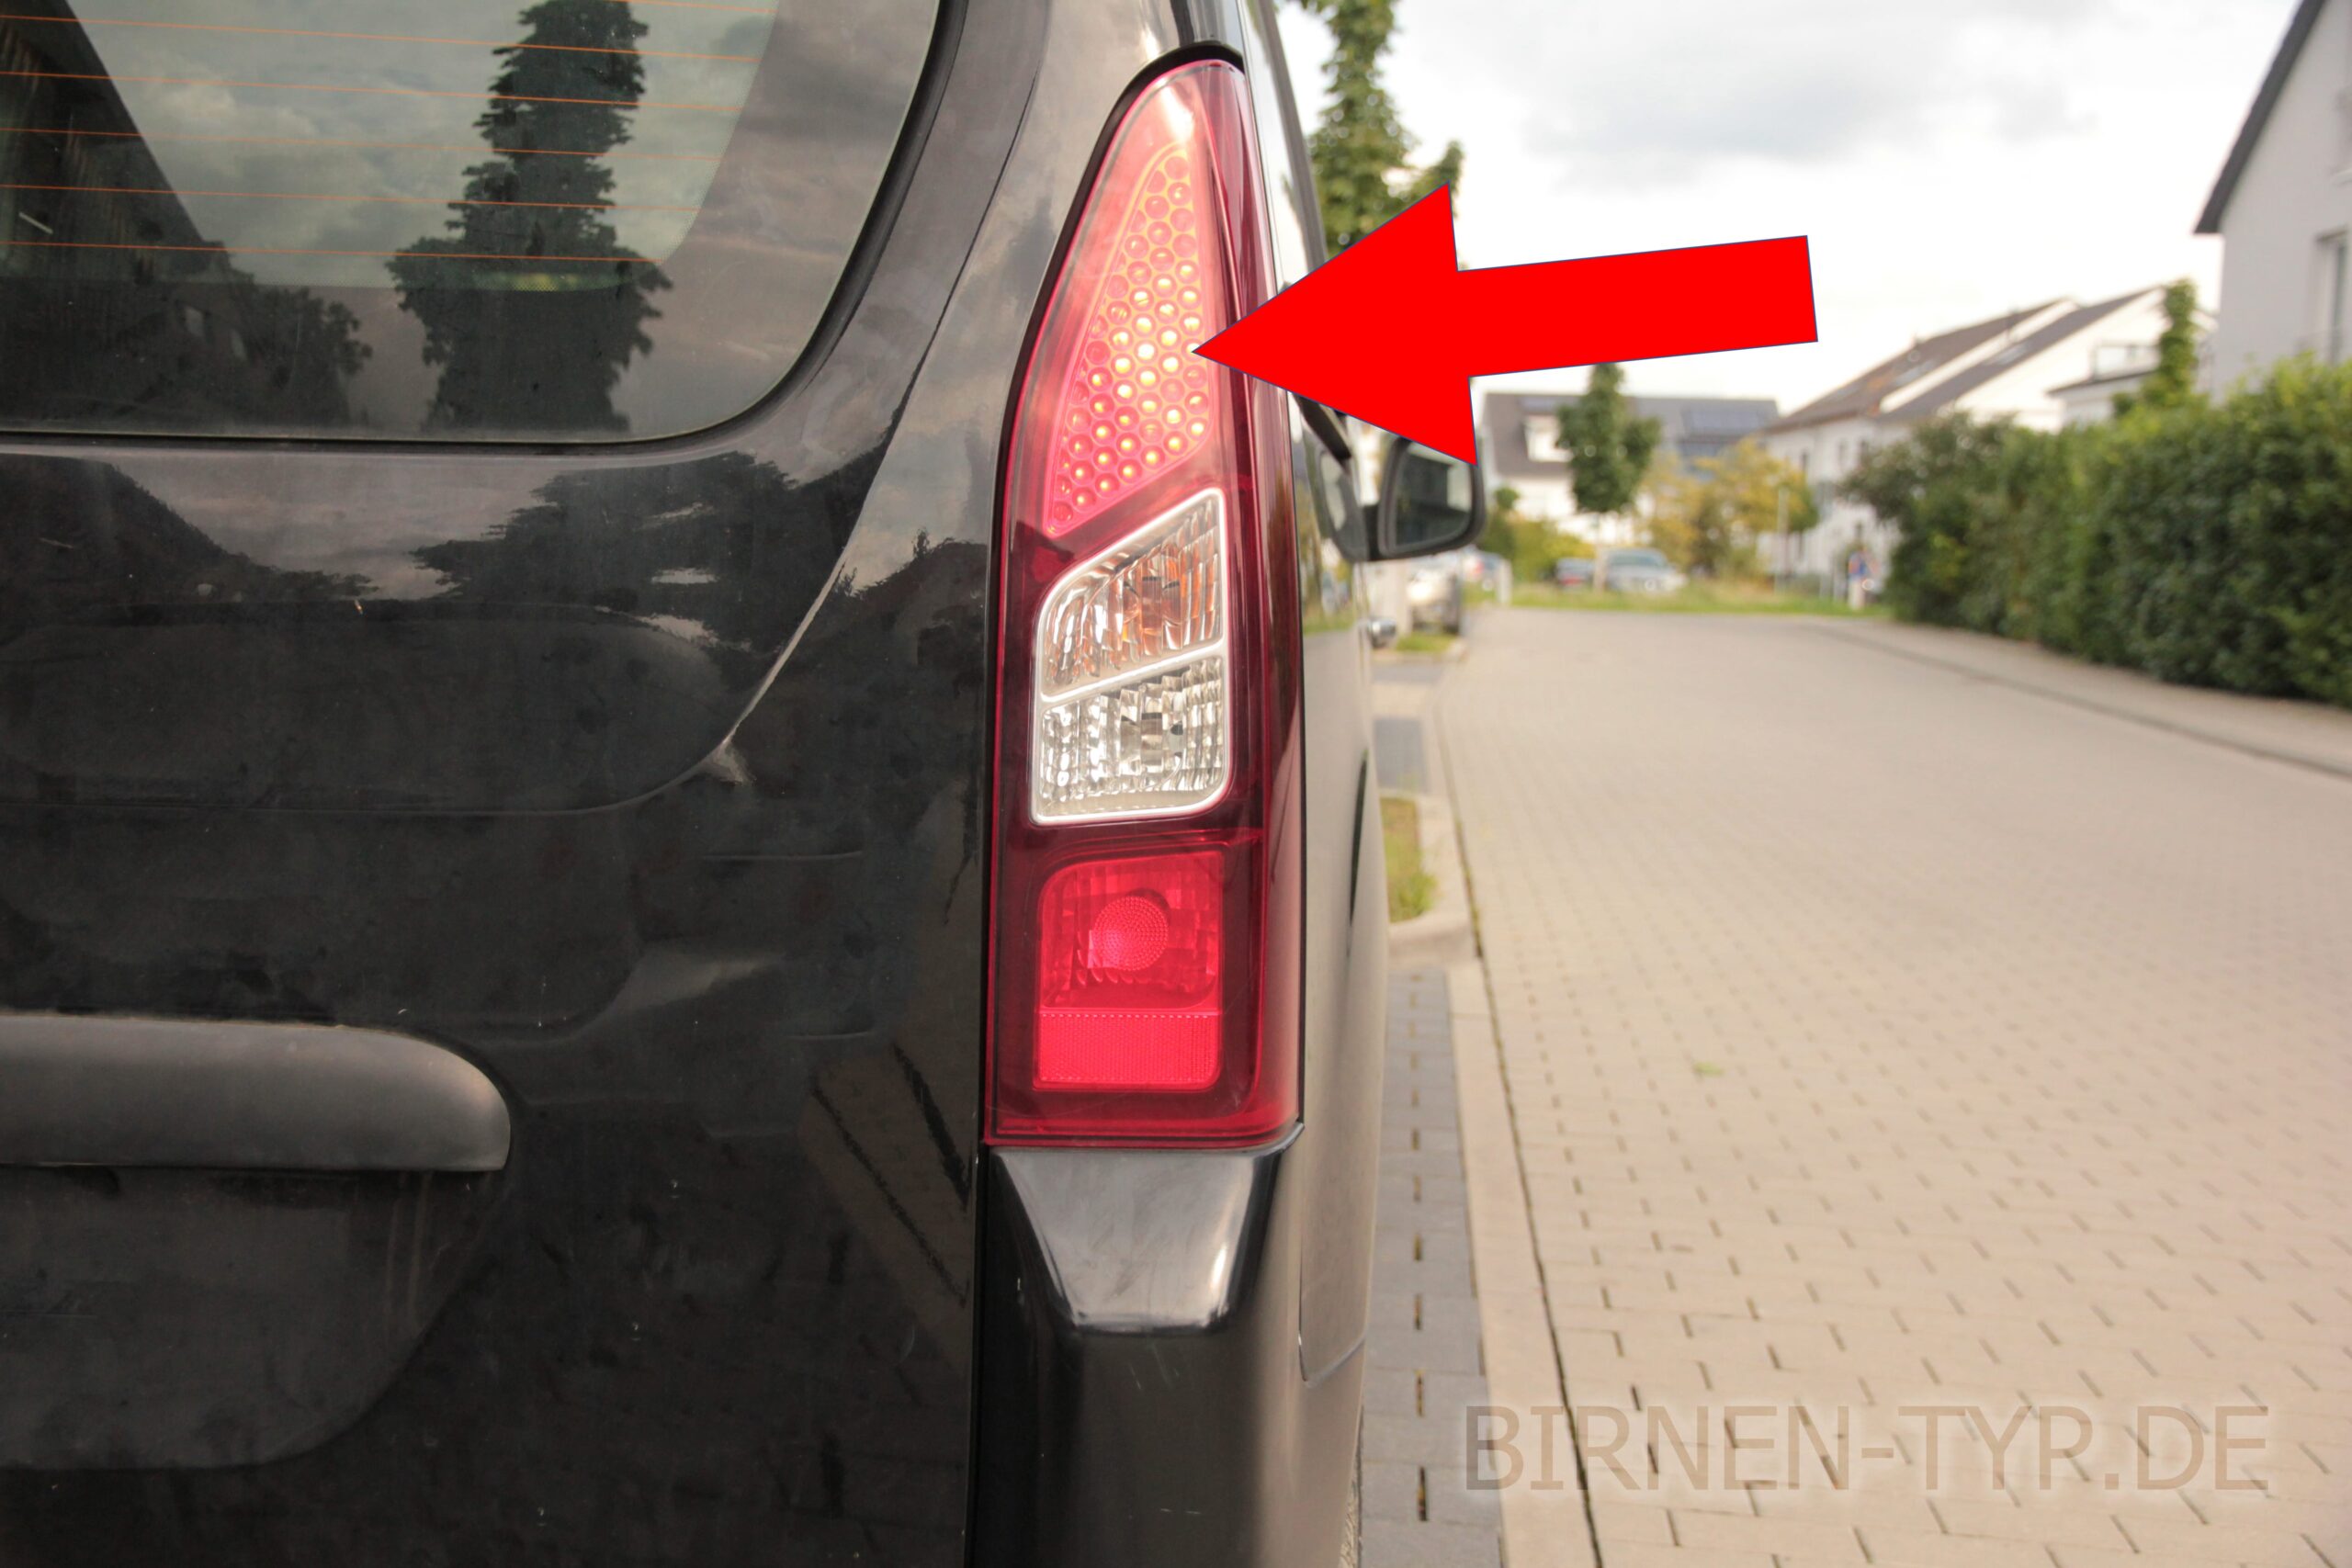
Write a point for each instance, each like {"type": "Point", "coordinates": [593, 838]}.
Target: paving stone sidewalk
{"type": "Point", "coordinates": [1881, 1041]}
{"type": "Point", "coordinates": [1424, 1369]}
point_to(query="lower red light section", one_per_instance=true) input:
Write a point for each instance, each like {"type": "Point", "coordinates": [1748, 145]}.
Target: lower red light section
{"type": "Point", "coordinates": [1131, 952]}
{"type": "Point", "coordinates": [1107, 1049]}
{"type": "Point", "coordinates": [1131, 993]}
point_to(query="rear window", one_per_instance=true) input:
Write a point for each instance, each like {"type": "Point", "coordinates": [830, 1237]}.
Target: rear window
{"type": "Point", "coordinates": [577, 219]}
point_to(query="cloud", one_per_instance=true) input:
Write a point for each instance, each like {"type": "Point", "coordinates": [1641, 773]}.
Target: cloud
{"type": "Point", "coordinates": [1808, 111]}
{"type": "Point", "coordinates": [1622, 94]}
{"type": "Point", "coordinates": [1949, 159]}
{"type": "Point", "coordinates": [1637, 93]}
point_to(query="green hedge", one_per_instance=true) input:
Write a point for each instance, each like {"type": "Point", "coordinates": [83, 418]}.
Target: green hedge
{"type": "Point", "coordinates": [2208, 543]}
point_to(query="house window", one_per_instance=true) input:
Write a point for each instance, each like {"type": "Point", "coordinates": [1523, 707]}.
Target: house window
{"type": "Point", "coordinates": [1544, 439]}
{"type": "Point", "coordinates": [2333, 303]}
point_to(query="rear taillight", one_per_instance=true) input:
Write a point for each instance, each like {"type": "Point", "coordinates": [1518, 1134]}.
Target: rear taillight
{"type": "Point", "coordinates": [1146, 699]}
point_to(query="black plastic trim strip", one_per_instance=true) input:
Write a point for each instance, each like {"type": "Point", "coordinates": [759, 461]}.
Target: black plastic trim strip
{"type": "Point", "coordinates": [191, 1094]}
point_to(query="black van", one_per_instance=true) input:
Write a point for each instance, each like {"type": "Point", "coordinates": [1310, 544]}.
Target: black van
{"type": "Point", "coordinates": [688, 864]}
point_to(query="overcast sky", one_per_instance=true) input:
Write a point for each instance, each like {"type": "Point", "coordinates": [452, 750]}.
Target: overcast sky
{"type": "Point", "coordinates": [1949, 159]}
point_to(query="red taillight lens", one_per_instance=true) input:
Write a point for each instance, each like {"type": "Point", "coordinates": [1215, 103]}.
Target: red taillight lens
{"type": "Point", "coordinates": [1130, 978]}
{"type": "Point", "coordinates": [1145, 707]}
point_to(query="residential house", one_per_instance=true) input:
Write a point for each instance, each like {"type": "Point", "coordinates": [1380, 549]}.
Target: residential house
{"type": "Point", "coordinates": [2283, 206]}
{"type": "Point", "coordinates": [2011, 367]}
{"type": "Point", "coordinates": [1519, 445]}
{"type": "Point", "coordinates": [2091, 400]}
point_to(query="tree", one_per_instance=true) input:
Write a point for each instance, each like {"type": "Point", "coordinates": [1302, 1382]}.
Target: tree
{"type": "Point", "coordinates": [1608, 449]}
{"type": "Point", "coordinates": [2174, 380]}
{"type": "Point", "coordinates": [1444, 173]}
{"type": "Point", "coordinates": [1691, 522]}
{"type": "Point", "coordinates": [1931, 487]}
{"type": "Point", "coordinates": [1765, 494]}
{"type": "Point", "coordinates": [521, 341]}
{"type": "Point", "coordinates": [1711, 518]}
{"type": "Point", "coordinates": [1360, 146]}
{"type": "Point", "coordinates": [1502, 515]}
{"type": "Point", "coordinates": [2201, 542]}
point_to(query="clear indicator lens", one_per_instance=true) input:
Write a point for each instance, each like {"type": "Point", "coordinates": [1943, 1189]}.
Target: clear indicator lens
{"type": "Point", "coordinates": [1156, 594]}
{"type": "Point", "coordinates": [1132, 699]}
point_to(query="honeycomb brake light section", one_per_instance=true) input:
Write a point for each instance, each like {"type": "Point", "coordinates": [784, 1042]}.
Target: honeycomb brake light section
{"type": "Point", "coordinates": [1144, 717]}
{"type": "Point", "coordinates": [1133, 400]}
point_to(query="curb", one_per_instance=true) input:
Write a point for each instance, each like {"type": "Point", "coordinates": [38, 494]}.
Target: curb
{"type": "Point", "coordinates": [1443, 934]}
{"type": "Point", "coordinates": [1453, 653]}
{"type": "Point", "coordinates": [2186, 729]}
{"type": "Point", "coordinates": [1542, 1528]}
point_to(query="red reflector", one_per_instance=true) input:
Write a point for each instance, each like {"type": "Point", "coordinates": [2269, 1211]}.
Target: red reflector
{"type": "Point", "coordinates": [1131, 952]}
{"type": "Point", "coordinates": [1142, 1051]}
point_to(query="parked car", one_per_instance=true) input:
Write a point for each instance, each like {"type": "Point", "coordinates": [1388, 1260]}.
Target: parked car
{"type": "Point", "coordinates": [1639, 571]}
{"type": "Point", "coordinates": [1482, 568]}
{"type": "Point", "coordinates": [1572, 571]}
{"type": "Point", "coordinates": [609, 958]}
{"type": "Point", "coordinates": [1434, 594]}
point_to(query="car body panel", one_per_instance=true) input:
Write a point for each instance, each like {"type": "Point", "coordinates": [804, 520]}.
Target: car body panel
{"type": "Point", "coordinates": [719, 1306]}
{"type": "Point", "coordinates": [748, 1289]}
{"type": "Point", "coordinates": [1161, 1422]}
{"type": "Point", "coordinates": [1344, 931]}
{"type": "Point", "coordinates": [1137, 1413]}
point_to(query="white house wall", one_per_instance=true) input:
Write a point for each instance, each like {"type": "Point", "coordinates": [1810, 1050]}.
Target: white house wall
{"type": "Point", "coordinates": [2295, 188]}
{"type": "Point", "coordinates": [1548, 499]}
{"type": "Point", "coordinates": [1827, 454]}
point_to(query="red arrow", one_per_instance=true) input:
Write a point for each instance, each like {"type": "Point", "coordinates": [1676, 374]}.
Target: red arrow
{"type": "Point", "coordinates": [1391, 330]}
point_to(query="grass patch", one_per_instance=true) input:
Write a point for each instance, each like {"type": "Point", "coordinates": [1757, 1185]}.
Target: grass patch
{"type": "Point", "coordinates": [1699, 599]}
{"type": "Point", "coordinates": [1426, 644]}
{"type": "Point", "coordinates": [1411, 888]}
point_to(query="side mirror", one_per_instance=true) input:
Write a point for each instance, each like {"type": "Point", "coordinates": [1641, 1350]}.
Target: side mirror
{"type": "Point", "coordinates": [1381, 630]}
{"type": "Point", "coordinates": [1428, 503]}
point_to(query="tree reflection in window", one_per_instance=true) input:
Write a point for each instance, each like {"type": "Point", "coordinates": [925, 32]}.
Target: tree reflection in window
{"type": "Point", "coordinates": [505, 294]}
